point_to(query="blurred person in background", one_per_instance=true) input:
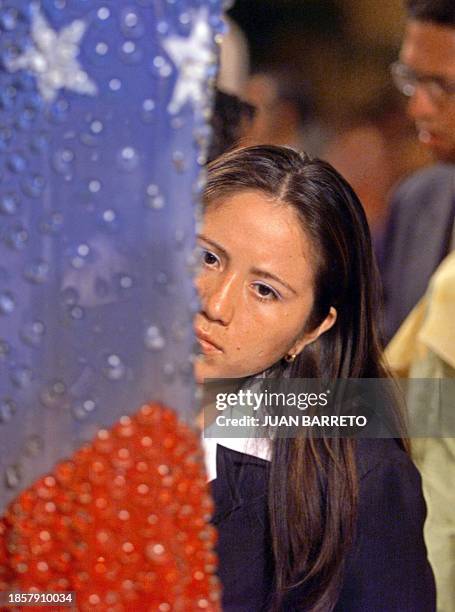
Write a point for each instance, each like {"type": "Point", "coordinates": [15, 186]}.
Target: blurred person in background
{"type": "Point", "coordinates": [234, 59]}
{"type": "Point", "coordinates": [424, 349]}
{"type": "Point", "coordinates": [420, 237]}
{"type": "Point", "coordinates": [420, 228]}
{"type": "Point", "coordinates": [285, 111]}
{"type": "Point", "coordinates": [374, 151]}
{"type": "Point", "coordinates": [231, 118]}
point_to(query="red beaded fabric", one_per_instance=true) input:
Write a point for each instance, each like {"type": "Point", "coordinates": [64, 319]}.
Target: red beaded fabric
{"type": "Point", "coordinates": [124, 523]}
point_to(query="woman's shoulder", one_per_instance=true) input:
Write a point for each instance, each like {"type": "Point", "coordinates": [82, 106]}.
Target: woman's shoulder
{"type": "Point", "coordinates": [387, 567]}
{"type": "Point", "coordinates": [389, 485]}
{"type": "Point", "coordinates": [381, 454]}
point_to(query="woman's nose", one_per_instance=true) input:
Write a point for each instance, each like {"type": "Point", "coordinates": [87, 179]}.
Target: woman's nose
{"type": "Point", "coordinates": [218, 295]}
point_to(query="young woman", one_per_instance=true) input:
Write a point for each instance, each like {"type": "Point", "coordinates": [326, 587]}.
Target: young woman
{"type": "Point", "coordinates": [288, 287]}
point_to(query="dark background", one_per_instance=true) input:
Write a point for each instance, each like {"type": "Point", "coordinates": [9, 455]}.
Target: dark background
{"type": "Point", "coordinates": [343, 47]}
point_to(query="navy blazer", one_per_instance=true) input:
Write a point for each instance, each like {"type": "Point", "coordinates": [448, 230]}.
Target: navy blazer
{"type": "Point", "coordinates": [387, 569]}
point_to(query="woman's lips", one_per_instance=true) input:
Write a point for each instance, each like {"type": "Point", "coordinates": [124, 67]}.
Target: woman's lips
{"type": "Point", "coordinates": [206, 343]}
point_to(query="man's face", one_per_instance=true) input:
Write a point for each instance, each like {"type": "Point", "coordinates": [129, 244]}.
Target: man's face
{"type": "Point", "coordinates": [429, 51]}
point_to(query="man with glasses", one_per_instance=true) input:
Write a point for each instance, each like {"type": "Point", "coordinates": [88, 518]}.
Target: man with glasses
{"type": "Point", "coordinates": [420, 229]}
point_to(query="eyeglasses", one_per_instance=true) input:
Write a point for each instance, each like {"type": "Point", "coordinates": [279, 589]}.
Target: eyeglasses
{"type": "Point", "coordinates": [407, 81]}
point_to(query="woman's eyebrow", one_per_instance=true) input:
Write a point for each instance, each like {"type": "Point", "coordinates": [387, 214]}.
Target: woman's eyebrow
{"type": "Point", "coordinates": [264, 274]}
{"type": "Point", "coordinates": [213, 244]}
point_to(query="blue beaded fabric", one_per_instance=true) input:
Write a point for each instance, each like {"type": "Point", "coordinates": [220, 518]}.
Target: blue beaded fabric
{"type": "Point", "coordinates": [103, 133]}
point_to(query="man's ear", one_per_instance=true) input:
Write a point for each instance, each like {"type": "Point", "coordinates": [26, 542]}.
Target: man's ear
{"type": "Point", "coordinates": [314, 334]}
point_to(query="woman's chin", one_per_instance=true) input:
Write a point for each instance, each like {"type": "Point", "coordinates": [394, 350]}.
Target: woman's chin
{"type": "Point", "coordinates": [204, 371]}
{"type": "Point", "coordinates": [207, 369]}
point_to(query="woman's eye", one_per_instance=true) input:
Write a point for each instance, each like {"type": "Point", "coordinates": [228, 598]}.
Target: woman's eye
{"type": "Point", "coordinates": [265, 292]}
{"type": "Point", "coordinates": [209, 258]}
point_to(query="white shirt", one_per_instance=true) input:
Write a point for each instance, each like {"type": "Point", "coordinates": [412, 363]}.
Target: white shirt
{"type": "Point", "coordinates": [257, 447]}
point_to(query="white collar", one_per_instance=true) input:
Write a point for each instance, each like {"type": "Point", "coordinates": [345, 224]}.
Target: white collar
{"type": "Point", "coordinates": [257, 447]}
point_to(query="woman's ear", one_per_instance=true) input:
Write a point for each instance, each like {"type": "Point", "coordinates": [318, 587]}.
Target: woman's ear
{"type": "Point", "coordinates": [313, 335]}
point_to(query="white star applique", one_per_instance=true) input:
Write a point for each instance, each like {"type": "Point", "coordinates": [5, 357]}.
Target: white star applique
{"type": "Point", "coordinates": [192, 56]}
{"type": "Point", "coordinates": [52, 58]}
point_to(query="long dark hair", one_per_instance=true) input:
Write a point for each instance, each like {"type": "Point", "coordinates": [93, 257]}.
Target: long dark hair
{"type": "Point", "coordinates": [313, 485]}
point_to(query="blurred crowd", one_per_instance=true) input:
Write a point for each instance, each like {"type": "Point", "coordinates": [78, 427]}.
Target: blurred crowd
{"type": "Point", "coordinates": [372, 142]}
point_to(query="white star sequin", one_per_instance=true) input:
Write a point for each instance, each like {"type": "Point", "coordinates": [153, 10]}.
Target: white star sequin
{"type": "Point", "coordinates": [53, 58]}
{"type": "Point", "coordinates": [192, 56]}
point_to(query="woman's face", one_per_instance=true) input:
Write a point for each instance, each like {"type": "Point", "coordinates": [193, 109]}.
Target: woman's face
{"type": "Point", "coordinates": [255, 286]}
